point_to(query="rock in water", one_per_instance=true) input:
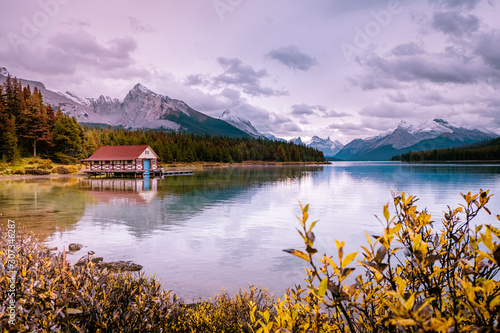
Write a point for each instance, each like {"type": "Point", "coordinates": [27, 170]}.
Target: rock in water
{"type": "Point", "coordinates": [75, 247]}
{"type": "Point", "coordinates": [120, 266]}
{"type": "Point", "coordinates": [86, 258]}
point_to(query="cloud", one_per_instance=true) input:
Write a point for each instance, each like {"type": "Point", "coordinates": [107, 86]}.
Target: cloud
{"type": "Point", "coordinates": [244, 77]}
{"type": "Point", "coordinates": [78, 53]}
{"type": "Point", "coordinates": [392, 72]}
{"type": "Point", "coordinates": [488, 47]}
{"type": "Point", "coordinates": [196, 80]}
{"type": "Point", "coordinates": [407, 49]}
{"type": "Point", "coordinates": [346, 127]}
{"type": "Point", "coordinates": [76, 22]}
{"type": "Point", "coordinates": [140, 28]}
{"type": "Point", "coordinates": [385, 109]}
{"type": "Point", "coordinates": [82, 49]}
{"type": "Point", "coordinates": [455, 4]}
{"type": "Point", "coordinates": [236, 75]}
{"type": "Point", "coordinates": [292, 57]}
{"type": "Point", "coordinates": [335, 114]}
{"type": "Point", "coordinates": [303, 110]}
{"type": "Point", "coordinates": [452, 23]}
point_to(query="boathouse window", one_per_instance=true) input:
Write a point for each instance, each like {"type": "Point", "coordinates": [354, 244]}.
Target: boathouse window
{"type": "Point", "coordinates": [146, 152]}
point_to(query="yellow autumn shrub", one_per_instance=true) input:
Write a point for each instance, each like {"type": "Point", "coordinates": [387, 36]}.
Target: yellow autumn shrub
{"type": "Point", "coordinates": [414, 277]}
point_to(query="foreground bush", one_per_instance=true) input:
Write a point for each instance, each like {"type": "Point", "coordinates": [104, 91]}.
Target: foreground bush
{"type": "Point", "coordinates": [53, 296]}
{"type": "Point", "coordinates": [413, 277]}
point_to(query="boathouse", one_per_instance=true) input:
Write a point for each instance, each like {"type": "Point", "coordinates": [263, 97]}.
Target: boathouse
{"type": "Point", "coordinates": [122, 160]}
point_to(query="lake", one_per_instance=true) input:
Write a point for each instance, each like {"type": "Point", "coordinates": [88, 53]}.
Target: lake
{"type": "Point", "coordinates": [224, 228]}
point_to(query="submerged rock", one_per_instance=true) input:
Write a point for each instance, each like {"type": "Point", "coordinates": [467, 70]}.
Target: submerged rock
{"type": "Point", "coordinates": [75, 247]}
{"type": "Point", "coordinates": [88, 257]}
{"type": "Point", "coordinates": [120, 266]}
{"type": "Point", "coordinates": [114, 266]}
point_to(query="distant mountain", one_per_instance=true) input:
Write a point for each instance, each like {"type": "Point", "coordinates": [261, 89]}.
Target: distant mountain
{"type": "Point", "coordinates": [297, 141]}
{"type": "Point", "coordinates": [327, 146]}
{"type": "Point", "coordinates": [141, 108]}
{"type": "Point", "coordinates": [240, 123]}
{"type": "Point", "coordinates": [270, 136]}
{"type": "Point", "coordinates": [435, 134]}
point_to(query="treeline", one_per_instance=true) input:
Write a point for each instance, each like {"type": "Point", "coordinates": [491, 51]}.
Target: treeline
{"type": "Point", "coordinates": [181, 147]}
{"type": "Point", "coordinates": [28, 127]}
{"type": "Point", "coordinates": [483, 151]}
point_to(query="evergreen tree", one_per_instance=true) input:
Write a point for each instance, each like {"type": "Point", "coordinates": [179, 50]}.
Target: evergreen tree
{"type": "Point", "coordinates": [67, 137]}
{"type": "Point", "coordinates": [8, 141]}
{"type": "Point", "coordinates": [34, 121]}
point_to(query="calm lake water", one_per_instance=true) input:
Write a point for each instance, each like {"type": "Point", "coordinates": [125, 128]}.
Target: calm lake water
{"type": "Point", "coordinates": [225, 228]}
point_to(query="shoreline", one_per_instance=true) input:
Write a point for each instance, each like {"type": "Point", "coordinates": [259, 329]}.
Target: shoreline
{"type": "Point", "coordinates": [170, 167]}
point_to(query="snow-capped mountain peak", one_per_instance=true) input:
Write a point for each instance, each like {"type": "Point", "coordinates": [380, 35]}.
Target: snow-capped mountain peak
{"type": "Point", "coordinates": [142, 88]}
{"type": "Point", "coordinates": [239, 122]}
{"type": "Point", "coordinates": [433, 134]}
{"type": "Point", "coordinates": [4, 71]}
{"type": "Point", "coordinates": [430, 129]}
{"type": "Point", "coordinates": [327, 146]}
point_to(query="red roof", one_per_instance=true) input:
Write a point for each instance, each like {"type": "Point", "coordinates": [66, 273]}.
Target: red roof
{"type": "Point", "coordinates": [118, 153]}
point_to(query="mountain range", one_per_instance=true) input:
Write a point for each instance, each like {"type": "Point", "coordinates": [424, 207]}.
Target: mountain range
{"type": "Point", "coordinates": [327, 146]}
{"type": "Point", "coordinates": [434, 134]}
{"type": "Point", "coordinates": [140, 109]}
{"type": "Point", "coordinates": [144, 109]}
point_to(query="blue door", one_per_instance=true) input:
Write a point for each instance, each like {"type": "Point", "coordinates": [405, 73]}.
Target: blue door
{"type": "Point", "coordinates": [146, 167]}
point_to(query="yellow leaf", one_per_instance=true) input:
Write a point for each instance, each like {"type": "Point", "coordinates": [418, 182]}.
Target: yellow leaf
{"type": "Point", "coordinates": [369, 239]}
{"type": "Point", "coordinates": [410, 302]}
{"type": "Point", "coordinates": [386, 212]}
{"type": "Point", "coordinates": [330, 261]}
{"type": "Point", "coordinates": [298, 253]}
{"type": "Point", "coordinates": [322, 287]}
{"type": "Point", "coordinates": [348, 259]}
{"type": "Point", "coordinates": [494, 230]}
{"type": "Point", "coordinates": [487, 239]}
{"type": "Point", "coordinates": [405, 322]}
{"type": "Point", "coordinates": [494, 302]}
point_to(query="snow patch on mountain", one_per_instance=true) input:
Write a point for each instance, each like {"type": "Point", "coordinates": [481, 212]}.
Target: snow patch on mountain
{"type": "Point", "coordinates": [4, 71]}
{"type": "Point", "coordinates": [74, 97]}
{"type": "Point", "coordinates": [239, 122]}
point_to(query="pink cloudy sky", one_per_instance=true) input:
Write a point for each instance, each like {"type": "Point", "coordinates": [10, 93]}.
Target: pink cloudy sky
{"type": "Point", "coordinates": [344, 69]}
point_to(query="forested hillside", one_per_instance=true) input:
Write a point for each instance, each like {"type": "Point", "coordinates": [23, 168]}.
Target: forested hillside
{"type": "Point", "coordinates": [484, 151]}
{"type": "Point", "coordinates": [28, 127]}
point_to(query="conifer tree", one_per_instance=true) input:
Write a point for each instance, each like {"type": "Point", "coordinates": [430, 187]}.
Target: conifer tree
{"type": "Point", "coordinates": [67, 137]}
{"type": "Point", "coordinates": [34, 121]}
